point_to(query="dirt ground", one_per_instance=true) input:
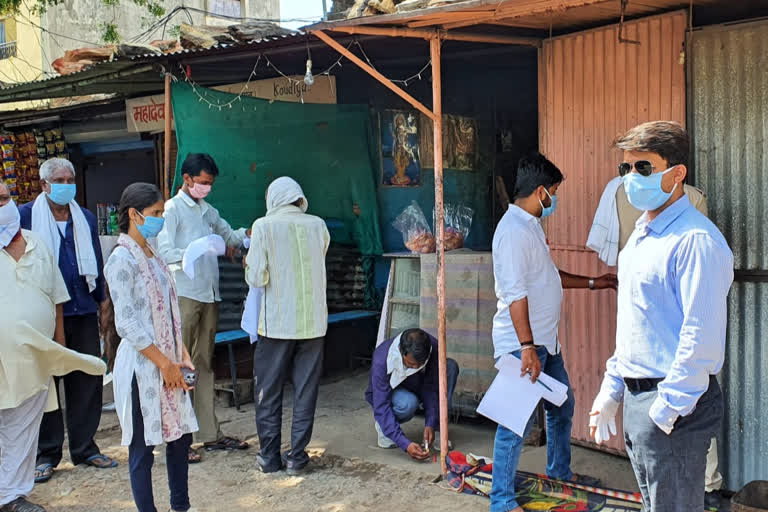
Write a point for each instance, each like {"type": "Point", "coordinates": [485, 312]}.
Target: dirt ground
{"type": "Point", "coordinates": [348, 474]}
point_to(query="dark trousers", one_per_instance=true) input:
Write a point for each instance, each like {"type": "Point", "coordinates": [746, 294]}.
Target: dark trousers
{"type": "Point", "coordinates": [83, 395]}
{"type": "Point", "coordinates": [274, 361]}
{"type": "Point", "coordinates": [670, 469]}
{"type": "Point", "coordinates": [141, 458]}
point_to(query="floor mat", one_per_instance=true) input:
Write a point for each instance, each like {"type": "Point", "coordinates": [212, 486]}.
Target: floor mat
{"type": "Point", "coordinates": [537, 492]}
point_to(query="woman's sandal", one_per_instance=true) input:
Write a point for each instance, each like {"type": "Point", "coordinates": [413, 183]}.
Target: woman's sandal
{"type": "Point", "coordinates": [193, 457]}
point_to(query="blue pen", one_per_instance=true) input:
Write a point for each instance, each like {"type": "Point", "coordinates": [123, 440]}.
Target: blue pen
{"type": "Point", "coordinates": [547, 387]}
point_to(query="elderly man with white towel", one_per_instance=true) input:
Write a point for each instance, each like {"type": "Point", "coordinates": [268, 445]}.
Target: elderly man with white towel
{"type": "Point", "coordinates": [31, 302]}
{"type": "Point", "coordinates": [287, 258]}
{"type": "Point", "coordinates": [71, 233]}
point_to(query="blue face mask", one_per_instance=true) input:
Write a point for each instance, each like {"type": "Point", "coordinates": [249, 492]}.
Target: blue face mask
{"type": "Point", "coordinates": [546, 211]}
{"type": "Point", "coordinates": [62, 193]}
{"type": "Point", "coordinates": [151, 227]}
{"type": "Point", "coordinates": [645, 192]}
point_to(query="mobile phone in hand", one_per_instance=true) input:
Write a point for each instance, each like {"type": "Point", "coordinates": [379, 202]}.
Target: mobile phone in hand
{"type": "Point", "coordinates": [190, 376]}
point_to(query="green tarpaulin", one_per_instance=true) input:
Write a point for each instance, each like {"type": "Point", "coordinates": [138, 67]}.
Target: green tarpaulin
{"type": "Point", "coordinates": [323, 147]}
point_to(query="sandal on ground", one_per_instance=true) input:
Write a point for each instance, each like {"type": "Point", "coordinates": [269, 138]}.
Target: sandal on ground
{"type": "Point", "coordinates": [21, 505]}
{"type": "Point", "coordinates": [100, 461]}
{"type": "Point", "coordinates": [43, 473]}
{"type": "Point", "coordinates": [193, 457]}
{"type": "Point", "coordinates": [226, 443]}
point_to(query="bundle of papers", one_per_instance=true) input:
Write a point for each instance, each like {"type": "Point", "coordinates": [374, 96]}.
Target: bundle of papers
{"type": "Point", "coordinates": [511, 399]}
{"type": "Point", "coordinates": [211, 245]}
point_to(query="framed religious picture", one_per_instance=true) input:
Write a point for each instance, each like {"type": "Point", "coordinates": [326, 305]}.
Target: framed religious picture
{"type": "Point", "coordinates": [400, 157]}
{"type": "Point", "coordinates": [459, 143]}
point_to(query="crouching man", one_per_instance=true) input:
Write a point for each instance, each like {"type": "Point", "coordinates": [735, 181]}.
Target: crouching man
{"type": "Point", "coordinates": [404, 376]}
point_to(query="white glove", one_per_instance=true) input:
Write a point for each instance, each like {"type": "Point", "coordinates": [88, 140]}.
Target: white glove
{"type": "Point", "coordinates": [603, 417]}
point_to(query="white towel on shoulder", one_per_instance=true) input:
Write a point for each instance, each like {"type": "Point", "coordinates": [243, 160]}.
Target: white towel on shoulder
{"type": "Point", "coordinates": [604, 235]}
{"type": "Point", "coordinates": [44, 225]}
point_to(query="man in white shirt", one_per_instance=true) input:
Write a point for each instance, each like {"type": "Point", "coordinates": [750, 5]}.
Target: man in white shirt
{"type": "Point", "coordinates": [626, 217]}
{"type": "Point", "coordinates": [529, 288]}
{"type": "Point", "coordinates": [33, 317]}
{"type": "Point", "coordinates": [676, 271]}
{"type": "Point", "coordinates": [287, 258]}
{"type": "Point", "coordinates": [188, 217]}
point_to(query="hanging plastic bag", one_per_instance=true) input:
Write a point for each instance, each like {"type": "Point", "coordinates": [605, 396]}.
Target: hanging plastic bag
{"type": "Point", "coordinates": [458, 222]}
{"type": "Point", "coordinates": [417, 236]}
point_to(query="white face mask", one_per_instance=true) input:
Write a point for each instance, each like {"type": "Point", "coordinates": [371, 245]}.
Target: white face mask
{"type": "Point", "coordinates": [10, 221]}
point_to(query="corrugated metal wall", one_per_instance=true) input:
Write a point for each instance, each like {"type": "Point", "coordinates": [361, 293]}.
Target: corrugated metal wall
{"type": "Point", "coordinates": [592, 88]}
{"type": "Point", "coordinates": [729, 116]}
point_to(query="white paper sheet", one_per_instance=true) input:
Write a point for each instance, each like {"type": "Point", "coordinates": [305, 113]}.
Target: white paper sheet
{"type": "Point", "coordinates": [511, 399]}
{"type": "Point", "coordinates": [251, 312]}
{"type": "Point", "coordinates": [552, 390]}
{"type": "Point", "coordinates": [211, 244]}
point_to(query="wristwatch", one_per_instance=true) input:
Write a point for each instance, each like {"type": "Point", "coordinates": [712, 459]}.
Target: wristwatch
{"type": "Point", "coordinates": [591, 284]}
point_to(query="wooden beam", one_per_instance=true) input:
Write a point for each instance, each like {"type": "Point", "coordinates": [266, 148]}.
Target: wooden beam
{"type": "Point", "coordinates": [468, 23]}
{"type": "Point", "coordinates": [167, 144]}
{"type": "Point", "coordinates": [442, 347]}
{"type": "Point", "coordinates": [519, 8]}
{"type": "Point", "coordinates": [375, 74]}
{"type": "Point", "coordinates": [447, 17]}
{"type": "Point", "coordinates": [424, 33]}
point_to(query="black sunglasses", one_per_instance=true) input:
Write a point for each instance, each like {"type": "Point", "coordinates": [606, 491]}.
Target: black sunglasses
{"type": "Point", "coordinates": [643, 168]}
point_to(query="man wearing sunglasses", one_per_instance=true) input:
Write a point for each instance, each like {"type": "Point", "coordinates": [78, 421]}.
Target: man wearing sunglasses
{"type": "Point", "coordinates": [674, 277]}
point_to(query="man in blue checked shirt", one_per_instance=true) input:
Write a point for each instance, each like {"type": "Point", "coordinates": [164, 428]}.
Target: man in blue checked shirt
{"type": "Point", "coordinates": [674, 277]}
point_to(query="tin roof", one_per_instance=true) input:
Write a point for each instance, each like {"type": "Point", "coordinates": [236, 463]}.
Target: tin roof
{"type": "Point", "coordinates": [135, 75]}
{"type": "Point", "coordinates": [542, 15]}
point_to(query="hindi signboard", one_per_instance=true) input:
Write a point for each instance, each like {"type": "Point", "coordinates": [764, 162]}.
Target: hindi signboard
{"type": "Point", "coordinates": [147, 114]}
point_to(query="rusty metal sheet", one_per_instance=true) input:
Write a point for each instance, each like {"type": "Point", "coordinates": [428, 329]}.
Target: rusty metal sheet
{"type": "Point", "coordinates": [591, 89]}
{"type": "Point", "coordinates": [728, 98]}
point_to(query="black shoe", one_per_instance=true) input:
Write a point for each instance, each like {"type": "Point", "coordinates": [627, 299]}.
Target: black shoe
{"type": "Point", "coordinates": [268, 468]}
{"type": "Point", "coordinates": [294, 468]}
{"type": "Point", "coordinates": [586, 480]}
{"type": "Point", "coordinates": [712, 501]}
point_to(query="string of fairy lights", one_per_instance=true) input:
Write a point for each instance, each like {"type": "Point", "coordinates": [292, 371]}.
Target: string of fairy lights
{"type": "Point", "coordinates": [215, 101]}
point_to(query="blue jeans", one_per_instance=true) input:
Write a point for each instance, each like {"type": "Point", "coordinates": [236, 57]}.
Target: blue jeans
{"type": "Point", "coordinates": [405, 404]}
{"type": "Point", "coordinates": [508, 445]}
{"type": "Point", "coordinates": [141, 458]}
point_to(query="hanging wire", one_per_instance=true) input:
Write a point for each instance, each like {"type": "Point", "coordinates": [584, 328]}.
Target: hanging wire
{"type": "Point", "coordinates": [203, 97]}
{"type": "Point", "coordinates": [404, 81]}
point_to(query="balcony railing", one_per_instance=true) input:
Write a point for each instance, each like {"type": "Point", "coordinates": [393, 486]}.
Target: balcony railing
{"type": "Point", "coordinates": [7, 50]}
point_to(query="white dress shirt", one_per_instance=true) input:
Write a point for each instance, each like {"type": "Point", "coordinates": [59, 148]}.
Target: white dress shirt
{"type": "Point", "coordinates": [674, 277]}
{"type": "Point", "coordinates": [287, 257]}
{"type": "Point", "coordinates": [523, 267]}
{"type": "Point", "coordinates": [186, 220]}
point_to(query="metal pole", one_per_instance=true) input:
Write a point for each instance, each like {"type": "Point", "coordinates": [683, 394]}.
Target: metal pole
{"type": "Point", "coordinates": [167, 145]}
{"type": "Point", "coordinates": [375, 74]}
{"type": "Point", "coordinates": [437, 109]}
